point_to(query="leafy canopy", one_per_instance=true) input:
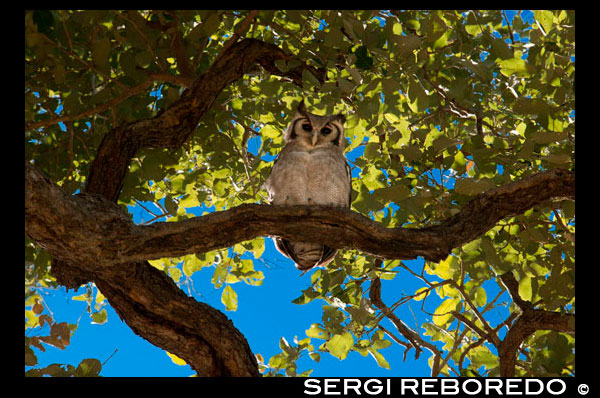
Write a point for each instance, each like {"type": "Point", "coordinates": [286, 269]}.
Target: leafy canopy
{"type": "Point", "coordinates": [440, 105]}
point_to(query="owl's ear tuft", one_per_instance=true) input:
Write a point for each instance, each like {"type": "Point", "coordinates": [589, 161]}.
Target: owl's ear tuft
{"type": "Point", "coordinates": [341, 118]}
{"type": "Point", "coordinates": [302, 108]}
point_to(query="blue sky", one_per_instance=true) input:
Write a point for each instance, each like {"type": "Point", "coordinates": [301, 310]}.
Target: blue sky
{"type": "Point", "coordinates": [264, 315]}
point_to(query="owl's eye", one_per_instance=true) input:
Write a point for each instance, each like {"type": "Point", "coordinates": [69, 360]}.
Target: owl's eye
{"type": "Point", "coordinates": [306, 127]}
{"type": "Point", "coordinates": [325, 130]}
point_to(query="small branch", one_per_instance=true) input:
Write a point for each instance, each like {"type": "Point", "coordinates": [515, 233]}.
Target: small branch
{"type": "Point", "coordinates": [85, 63]}
{"type": "Point", "coordinates": [64, 24]}
{"type": "Point", "coordinates": [90, 112]}
{"type": "Point", "coordinates": [144, 38]}
{"type": "Point", "coordinates": [415, 339]}
{"type": "Point", "coordinates": [242, 27]}
{"type": "Point", "coordinates": [471, 325]}
{"type": "Point", "coordinates": [510, 32]}
{"type": "Point", "coordinates": [490, 335]}
{"type": "Point", "coordinates": [512, 286]}
{"type": "Point", "coordinates": [526, 324]}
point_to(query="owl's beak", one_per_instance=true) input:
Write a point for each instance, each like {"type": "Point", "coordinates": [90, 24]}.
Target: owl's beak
{"type": "Point", "coordinates": [315, 137]}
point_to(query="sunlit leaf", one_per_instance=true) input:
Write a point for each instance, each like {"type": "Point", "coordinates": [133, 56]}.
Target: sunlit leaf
{"type": "Point", "coordinates": [229, 298]}
{"type": "Point", "coordinates": [340, 344]}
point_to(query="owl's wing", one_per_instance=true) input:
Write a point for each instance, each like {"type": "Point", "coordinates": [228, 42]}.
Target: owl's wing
{"type": "Point", "coordinates": [349, 176]}
{"type": "Point", "coordinates": [283, 246]}
{"type": "Point", "coordinates": [266, 185]}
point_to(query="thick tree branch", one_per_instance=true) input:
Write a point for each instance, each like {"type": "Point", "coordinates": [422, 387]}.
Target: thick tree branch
{"type": "Point", "coordinates": [172, 127]}
{"type": "Point", "coordinates": [94, 240]}
{"type": "Point", "coordinates": [94, 236]}
{"type": "Point", "coordinates": [154, 307]}
{"type": "Point", "coordinates": [201, 335]}
{"type": "Point", "coordinates": [85, 227]}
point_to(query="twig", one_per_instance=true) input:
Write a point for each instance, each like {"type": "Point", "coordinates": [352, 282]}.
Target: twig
{"type": "Point", "coordinates": [145, 208]}
{"type": "Point", "coordinates": [87, 64]}
{"type": "Point", "coordinates": [510, 32]}
{"type": "Point", "coordinates": [99, 109]}
{"type": "Point", "coordinates": [471, 325]}
{"type": "Point", "coordinates": [143, 36]}
{"type": "Point", "coordinates": [243, 26]}
{"type": "Point", "coordinates": [245, 137]}
{"type": "Point", "coordinates": [491, 335]}
{"type": "Point", "coordinates": [414, 338]}
{"type": "Point", "coordinates": [111, 355]}
{"type": "Point", "coordinates": [62, 14]}
{"type": "Point", "coordinates": [568, 234]}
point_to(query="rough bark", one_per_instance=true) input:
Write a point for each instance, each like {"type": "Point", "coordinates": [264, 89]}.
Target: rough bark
{"type": "Point", "coordinates": [217, 347]}
{"type": "Point", "coordinates": [172, 127]}
{"type": "Point", "coordinates": [89, 230]}
{"type": "Point", "coordinates": [93, 240]}
{"type": "Point", "coordinates": [109, 249]}
{"type": "Point", "coordinates": [529, 321]}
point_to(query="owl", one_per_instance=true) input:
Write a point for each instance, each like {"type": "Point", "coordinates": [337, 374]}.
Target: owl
{"type": "Point", "coordinates": [310, 170]}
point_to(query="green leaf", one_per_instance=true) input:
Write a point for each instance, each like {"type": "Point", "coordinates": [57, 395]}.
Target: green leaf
{"type": "Point", "coordinates": [447, 268]}
{"type": "Point", "coordinates": [531, 106]}
{"type": "Point", "coordinates": [444, 310]}
{"type": "Point", "coordinates": [379, 358]}
{"type": "Point", "coordinates": [229, 298]}
{"type": "Point", "coordinates": [545, 19]}
{"type": "Point", "coordinates": [317, 331]}
{"type": "Point", "coordinates": [516, 66]}
{"type": "Point", "coordinates": [363, 59]}
{"type": "Point", "coordinates": [307, 76]}
{"type": "Point", "coordinates": [525, 288]}
{"type": "Point", "coordinates": [340, 344]}
{"type": "Point", "coordinates": [100, 317]}
{"type": "Point", "coordinates": [373, 178]}
{"type": "Point", "coordinates": [287, 348]}
{"type": "Point", "coordinates": [89, 367]}
{"type": "Point", "coordinates": [469, 186]}
{"type": "Point", "coordinates": [419, 295]}
{"type": "Point", "coordinates": [211, 23]}
{"type": "Point", "coordinates": [480, 297]}
{"type": "Point", "coordinates": [407, 44]}
{"type": "Point", "coordinates": [315, 356]}
{"type": "Point", "coordinates": [394, 193]}
{"type": "Point", "coordinates": [482, 356]}
{"type": "Point", "coordinates": [459, 163]}
{"type": "Point", "coordinates": [417, 96]}
{"type": "Point", "coordinates": [101, 51]}
{"type": "Point", "coordinates": [44, 20]}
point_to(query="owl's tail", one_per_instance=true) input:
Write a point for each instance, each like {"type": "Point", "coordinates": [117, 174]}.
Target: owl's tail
{"type": "Point", "coordinates": [305, 255]}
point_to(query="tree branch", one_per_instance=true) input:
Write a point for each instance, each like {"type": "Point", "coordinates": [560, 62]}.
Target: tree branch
{"type": "Point", "coordinates": [526, 324]}
{"type": "Point", "coordinates": [89, 229]}
{"type": "Point", "coordinates": [152, 305]}
{"type": "Point", "coordinates": [172, 127]}
{"type": "Point", "coordinates": [94, 237]}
